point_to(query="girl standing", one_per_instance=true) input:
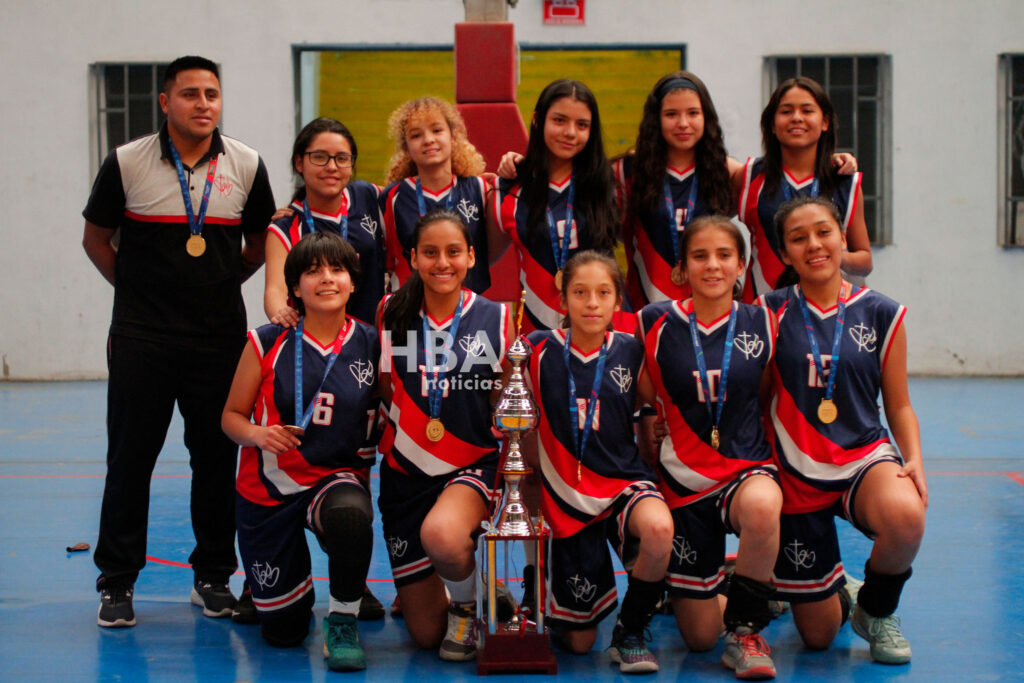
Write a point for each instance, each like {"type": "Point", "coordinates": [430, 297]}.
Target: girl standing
{"type": "Point", "coordinates": [302, 406]}
{"type": "Point", "coordinates": [798, 131]}
{"type": "Point", "coordinates": [562, 201]}
{"type": "Point", "coordinates": [706, 362]}
{"type": "Point", "coordinates": [596, 487]}
{"type": "Point", "coordinates": [328, 200]}
{"type": "Point", "coordinates": [839, 345]}
{"type": "Point", "coordinates": [442, 350]}
{"type": "Point", "coordinates": [434, 166]}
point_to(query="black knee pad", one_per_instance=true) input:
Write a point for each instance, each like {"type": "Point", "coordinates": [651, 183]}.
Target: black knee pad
{"type": "Point", "coordinates": [286, 631]}
{"type": "Point", "coordinates": [346, 530]}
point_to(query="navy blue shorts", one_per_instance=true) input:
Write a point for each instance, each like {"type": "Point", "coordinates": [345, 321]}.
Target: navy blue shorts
{"type": "Point", "coordinates": [696, 568]}
{"type": "Point", "coordinates": [272, 542]}
{"type": "Point", "coordinates": [581, 579]}
{"type": "Point", "coordinates": [406, 501]}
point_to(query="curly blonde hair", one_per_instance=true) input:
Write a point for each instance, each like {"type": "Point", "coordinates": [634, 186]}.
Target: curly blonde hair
{"type": "Point", "coordinates": [466, 161]}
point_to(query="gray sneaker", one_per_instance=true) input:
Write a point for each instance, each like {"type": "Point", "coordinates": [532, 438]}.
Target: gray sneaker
{"type": "Point", "coordinates": [748, 655]}
{"type": "Point", "coordinates": [459, 644]}
{"type": "Point", "coordinates": [888, 645]}
{"type": "Point", "coordinates": [629, 650]}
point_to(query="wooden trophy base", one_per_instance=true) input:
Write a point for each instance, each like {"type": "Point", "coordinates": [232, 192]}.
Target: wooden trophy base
{"type": "Point", "coordinates": [515, 651]}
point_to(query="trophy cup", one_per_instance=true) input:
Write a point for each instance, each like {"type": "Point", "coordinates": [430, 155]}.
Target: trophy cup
{"type": "Point", "coordinates": [518, 644]}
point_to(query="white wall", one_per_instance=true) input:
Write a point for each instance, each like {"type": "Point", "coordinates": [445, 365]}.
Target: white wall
{"type": "Point", "coordinates": [944, 263]}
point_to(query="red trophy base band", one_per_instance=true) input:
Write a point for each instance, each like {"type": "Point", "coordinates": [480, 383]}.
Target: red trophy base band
{"type": "Point", "coordinates": [516, 651]}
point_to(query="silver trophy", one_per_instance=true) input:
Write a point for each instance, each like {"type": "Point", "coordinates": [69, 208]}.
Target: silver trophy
{"type": "Point", "coordinates": [515, 414]}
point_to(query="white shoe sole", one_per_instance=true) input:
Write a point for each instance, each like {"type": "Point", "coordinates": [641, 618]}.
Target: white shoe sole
{"type": "Point", "coordinates": [197, 600]}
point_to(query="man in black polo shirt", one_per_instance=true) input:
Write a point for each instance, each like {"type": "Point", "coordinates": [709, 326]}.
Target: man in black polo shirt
{"type": "Point", "coordinates": [191, 206]}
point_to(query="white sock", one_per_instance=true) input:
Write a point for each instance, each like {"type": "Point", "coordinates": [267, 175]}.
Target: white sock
{"type": "Point", "coordinates": [462, 592]}
{"type": "Point", "coordinates": [339, 607]}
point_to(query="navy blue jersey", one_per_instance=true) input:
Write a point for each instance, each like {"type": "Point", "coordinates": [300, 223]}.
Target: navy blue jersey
{"type": "Point", "coordinates": [757, 211]}
{"type": "Point", "coordinates": [365, 234]}
{"type": "Point", "coordinates": [612, 461]}
{"type": "Point", "coordinates": [340, 435]}
{"type": "Point", "coordinates": [467, 197]}
{"type": "Point", "coordinates": [818, 458]}
{"type": "Point", "coordinates": [475, 369]}
{"type": "Point", "coordinates": [690, 468]}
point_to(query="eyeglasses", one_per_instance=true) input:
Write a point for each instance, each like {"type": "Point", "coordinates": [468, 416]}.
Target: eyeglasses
{"type": "Point", "coordinates": [321, 158]}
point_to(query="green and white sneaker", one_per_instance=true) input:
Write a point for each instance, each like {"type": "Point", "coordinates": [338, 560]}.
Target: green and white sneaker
{"type": "Point", "coordinates": [341, 643]}
{"type": "Point", "coordinates": [630, 652]}
{"type": "Point", "coordinates": [888, 645]}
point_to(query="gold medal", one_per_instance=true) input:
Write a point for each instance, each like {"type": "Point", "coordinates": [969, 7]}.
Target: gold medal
{"type": "Point", "coordinates": [435, 430]}
{"type": "Point", "coordinates": [579, 471]}
{"type": "Point", "coordinates": [677, 275]}
{"type": "Point", "coordinates": [827, 411]}
{"type": "Point", "coordinates": [297, 431]}
{"type": "Point", "coordinates": [714, 438]}
{"type": "Point", "coordinates": [196, 245]}
{"type": "Point", "coordinates": [558, 280]}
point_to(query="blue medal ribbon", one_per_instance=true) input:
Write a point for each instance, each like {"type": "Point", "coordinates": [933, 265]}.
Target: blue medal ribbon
{"type": "Point", "coordinates": [308, 216]}
{"type": "Point", "coordinates": [434, 390]}
{"type": "Point", "coordinates": [421, 203]}
{"type": "Point", "coordinates": [787, 191]}
{"type": "Point", "coordinates": [561, 253]}
{"type": "Point", "coordinates": [705, 383]}
{"type": "Point", "coordinates": [195, 223]}
{"type": "Point", "coordinates": [812, 339]}
{"type": "Point", "coordinates": [303, 417]}
{"type": "Point", "coordinates": [673, 227]}
{"type": "Point", "coordinates": [574, 415]}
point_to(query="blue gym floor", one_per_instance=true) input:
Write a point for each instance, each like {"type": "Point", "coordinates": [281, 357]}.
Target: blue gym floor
{"type": "Point", "coordinates": [963, 610]}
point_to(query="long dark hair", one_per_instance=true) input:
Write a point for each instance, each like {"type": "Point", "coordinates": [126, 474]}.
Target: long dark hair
{"type": "Point", "coordinates": [652, 154]}
{"type": "Point", "coordinates": [585, 257]}
{"type": "Point", "coordinates": [402, 310]}
{"type": "Point", "coordinates": [592, 174]}
{"type": "Point", "coordinates": [305, 138]}
{"type": "Point", "coordinates": [789, 276]}
{"type": "Point", "coordinates": [316, 249]}
{"type": "Point", "coordinates": [823, 170]}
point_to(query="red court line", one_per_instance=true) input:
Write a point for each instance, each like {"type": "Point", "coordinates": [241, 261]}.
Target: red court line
{"type": "Point", "coordinates": [1017, 477]}
{"type": "Point", "coordinates": [81, 476]}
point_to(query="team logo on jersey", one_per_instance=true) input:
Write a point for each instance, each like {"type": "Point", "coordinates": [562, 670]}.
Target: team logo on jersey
{"type": "Point", "coordinates": [473, 345]}
{"type": "Point", "coordinates": [369, 225]}
{"type": "Point", "coordinates": [800, 557]}
{"type": "Point", "coordinates": [362, 370]}
{"type": "Point", "coordinates": [750, 345]}
{"type": "Point", "coordinates": [469, 210]}
{"type": "Point", "coordinates": [864, 337]}
{"type": "Point", "coordinates": [397, 546]}
{"type": "Point", "coordinates": [622, 377]}
{"type": "Point", "coordinates": [682, 550]}
{"type": "Point", "coordinates": [581, 589]}
{"type": "Point", "coordinates": [223, 186]}
{"type": "Point", "coordinates": [263, 575]}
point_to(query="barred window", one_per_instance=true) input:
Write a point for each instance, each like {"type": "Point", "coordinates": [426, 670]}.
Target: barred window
{"type": "Point", "coordinates": [127, 98]}
{"type": "Point", "coordinates": [858, 86]}
{"type": "Point", "coordinates": [1011, 151]}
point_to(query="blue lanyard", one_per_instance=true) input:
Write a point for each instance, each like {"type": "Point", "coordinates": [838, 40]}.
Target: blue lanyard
{"type": "Point", "coordinates": [561, 254]}
{"type": "Point", "coordinates": [195, 223]}
{"type": "Point", "coordinates": [574, 419]}
{"type": "Point", "coordinates": [434, 390]}
{"type": "Point", "coordinates": [421, 202]}
{"type": "Point", "coordinates": [787, 191]}
{"type": "Point", "coordinates": [673, 228]}
{"type": "Point", "coordinates": [302, 417]}
{"type": "Point", "coordinates": [698, 350]}
{"type": "Point", "coordinates": [837, 337]}
{"type": "Point", "coordinates": [308, 215]}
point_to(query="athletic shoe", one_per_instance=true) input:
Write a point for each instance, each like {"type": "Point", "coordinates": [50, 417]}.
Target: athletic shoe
{"type": "Point", "coordinates": [852, 586]}
{"type": "Point", "coordinates": [116, 608]}
{"type": "Point", "coordinates": [370, 608]}
{"type": "Point", "coordinates": [215, 599]}
{"type": "Point", "coordinates": [396, 608]}
{"type": "Point", "coordinates": [748, 655]}
{"type": "Point", "coordinates": [529, 602]}
{"type": "Point", "coordinates": [460, 640]}
{"type": "Point", "coordinates": [888, 645]}
{"type": "Point", "coordinates": [629, 651]}
{"type": "Point", "coordinates": [244, 611]}
{"type": "Point", "coordinates": [341, 643]}
{"type": "Point", "coordinates": [506, 603]}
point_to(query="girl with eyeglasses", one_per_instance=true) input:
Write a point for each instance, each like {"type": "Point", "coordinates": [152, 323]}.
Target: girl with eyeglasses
{"type": "Point", "coordinates": [327, 200]}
